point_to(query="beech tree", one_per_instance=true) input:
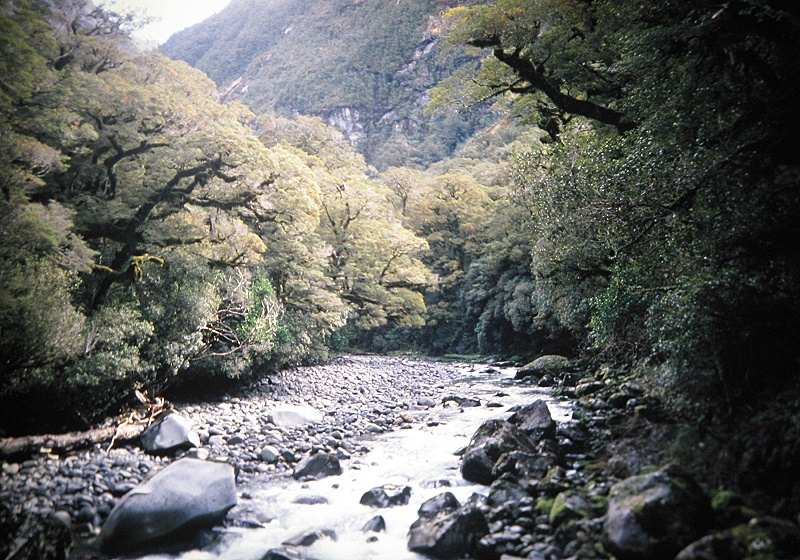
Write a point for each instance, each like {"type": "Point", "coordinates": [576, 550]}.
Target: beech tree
{"type": "Point", "coordinates": [656, 212]}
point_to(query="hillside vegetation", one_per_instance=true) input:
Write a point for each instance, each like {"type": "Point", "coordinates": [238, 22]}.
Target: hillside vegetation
{"type": "Point", "coordinates": [364, 66]}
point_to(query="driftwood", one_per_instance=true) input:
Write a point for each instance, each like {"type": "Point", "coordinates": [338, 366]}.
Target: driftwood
{"type": "Point", "coordinates": [27, 446]}
{"type": "Point", "coordinates": [124, 430]}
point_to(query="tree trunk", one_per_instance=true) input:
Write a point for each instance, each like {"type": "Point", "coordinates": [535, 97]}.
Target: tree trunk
{"type": "Point", "coordinates": [27, 446]}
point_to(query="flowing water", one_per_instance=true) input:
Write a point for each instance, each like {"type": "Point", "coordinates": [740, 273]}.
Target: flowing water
{"type": "Point", "coordinates": [422, 457]}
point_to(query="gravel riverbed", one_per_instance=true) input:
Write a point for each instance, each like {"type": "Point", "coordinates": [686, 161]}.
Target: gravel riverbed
{"type": "Point", "coordinates": [357, 396]}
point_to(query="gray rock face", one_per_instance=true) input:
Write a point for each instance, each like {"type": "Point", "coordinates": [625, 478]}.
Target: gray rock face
{"type": "Point", "coordinates": [494, 438]}
{"type": "Point", "coordinates": [317, 466]}
{"type": "Point", "coordinates": [189, 494]}
{"type": "Point", "coordinates": [548, 364]}
{"type": "Point", "coordinates": [653, 516]}
{"type": "Point", "coordinates": [449, 534]}
{"type": "Point", "coordinates": [386, 496]}
{"type": "Point", "coordinates": [170, 433]}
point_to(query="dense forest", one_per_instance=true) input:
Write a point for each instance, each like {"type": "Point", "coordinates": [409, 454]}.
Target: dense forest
{"type": "Point", "coordinates": [623, 189]}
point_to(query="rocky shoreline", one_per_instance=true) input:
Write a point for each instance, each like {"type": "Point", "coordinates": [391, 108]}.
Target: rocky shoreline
{"type": "Point", "coordinates": [358, 395]}
{"type": "Point", "coordinates": [554, 491]}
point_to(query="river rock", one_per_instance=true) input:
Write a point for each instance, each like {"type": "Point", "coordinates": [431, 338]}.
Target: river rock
{"type": "Point", "coordinates": [535, 420]}
{"type": "Point", "coordinates": [375, 525]}
{"type": "Point", "coordinates": [285, 553]}
{"type": "Point", "coordinates": [310, 537]}
{"type": "Point", "coordinates": [446, 501]}
{"type": "Point", "coordinates": [548, 364]}
{"type": "Point", "coordinates": [269, 454]}
{"type": "Point", "coordinates": [294, 416]}
{"type": "Point", "coordinates": [588, 388]}
{"type": "Point", "coordinates": [487, 445]}
{"type": "Point", "coordinates": [317, 466]}
{"type": "Point", "coordinates": [769, 537]}
{"type": "Point", "coordinates": [386, 496]}
{"type": "Point", "coordinates": [505, 492]}
{"type": "Point", "coordinates": [187, 495]}
{"type": "Point", "coordinates": [653, 516]}
{"type": "Point", "coordinates": [521, 465]}
{"type": "Point", "coordinates": [170, 433]}
{"type": "Point", "coordinates": [450, 534]}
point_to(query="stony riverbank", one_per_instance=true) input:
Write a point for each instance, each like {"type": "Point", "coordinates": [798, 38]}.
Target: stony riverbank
{"type": "Point", "coordinates": [357, 396]}
{"type": "Point", "coordinates": [552, 492]}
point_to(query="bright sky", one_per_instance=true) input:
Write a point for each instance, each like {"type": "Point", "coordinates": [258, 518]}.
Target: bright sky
{"type": "Point", "coordinates": [169, 16]}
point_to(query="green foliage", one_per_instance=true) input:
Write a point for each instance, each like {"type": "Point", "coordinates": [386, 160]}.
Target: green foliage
{"type": "Point", "coordinates": [661, 244]}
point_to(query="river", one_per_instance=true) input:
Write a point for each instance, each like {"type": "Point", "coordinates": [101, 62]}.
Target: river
{"type": "Point", "coordinates": [422, 457]}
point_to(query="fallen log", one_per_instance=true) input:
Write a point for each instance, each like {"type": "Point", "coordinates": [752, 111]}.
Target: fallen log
{"type": "Point", "coordinates": [125, 429]}
{"type": "Point", "coordinates": [27, 446]}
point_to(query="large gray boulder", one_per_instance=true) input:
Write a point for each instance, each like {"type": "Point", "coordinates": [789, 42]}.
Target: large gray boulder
{"type": "Point", "coordinates": [448, 534]}
{"type": "Point", "coordinates": [549, 364]}
{"type": "Point", "coordinates": [184, 497]}
{"type": "Point", "coordinates": [170, 433]}
{"type": "Point", "coordinates": [653, 516]}
{"type": "Point", "coordinates": [494, 438]}
{"type": "Point", "coordinates": [535, 420]}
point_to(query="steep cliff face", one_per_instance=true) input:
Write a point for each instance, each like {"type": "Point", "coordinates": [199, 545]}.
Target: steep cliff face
{"type": "Point", "coordinates": [364, 66]}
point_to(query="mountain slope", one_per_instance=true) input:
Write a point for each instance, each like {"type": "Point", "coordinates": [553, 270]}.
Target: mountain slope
{"type": "Point", "coordinates": [364, 66]}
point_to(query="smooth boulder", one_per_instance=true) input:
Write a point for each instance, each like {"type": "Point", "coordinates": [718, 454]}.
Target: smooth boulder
{"type": "Point", "coordinates": [549, 364]}
{"type": "Point", "coordinates": [170, 433]}
{"type": "Point", "coordinates": [186, 496]}
{"type": "Point", "coordinates": [294, 415]}
{"type": "Point", "coordinates": [653, 516]}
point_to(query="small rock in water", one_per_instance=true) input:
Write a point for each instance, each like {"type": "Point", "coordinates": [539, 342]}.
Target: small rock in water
{"type": "Point", "coordinates": [446, 501]}
{"type": "Point", "coordinates": [386, 496]}
{"type": "Point", "coordinates": [317, 466]}
{"type": "Point", "coordinates": [311, 500]}
{"type": "Point", "coordinates": [284, 553]}
{"type": "Point", "coordinates": [310, 537]}
{"type": "Point", "coordinates": [376, 525]}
